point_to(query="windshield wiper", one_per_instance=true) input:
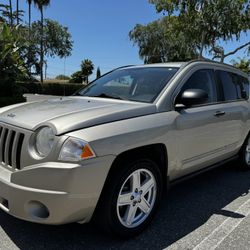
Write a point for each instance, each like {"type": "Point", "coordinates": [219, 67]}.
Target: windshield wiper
{"type": "Point", "coordinates": [103, 95]}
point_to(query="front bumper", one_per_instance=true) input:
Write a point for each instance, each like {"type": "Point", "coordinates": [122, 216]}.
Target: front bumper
{"type": "Point", "coordinates": [54, 193]}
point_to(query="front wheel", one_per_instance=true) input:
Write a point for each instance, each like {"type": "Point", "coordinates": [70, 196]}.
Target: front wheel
{"type": "Point", "coordinates": [131, 198]}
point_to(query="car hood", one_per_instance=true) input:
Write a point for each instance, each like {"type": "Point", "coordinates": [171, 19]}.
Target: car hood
{"type": "Point", "coordinates": [72, 113]}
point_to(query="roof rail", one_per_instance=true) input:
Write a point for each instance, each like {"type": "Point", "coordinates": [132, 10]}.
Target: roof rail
{"type": "Point", "coordinates": [212, 61]}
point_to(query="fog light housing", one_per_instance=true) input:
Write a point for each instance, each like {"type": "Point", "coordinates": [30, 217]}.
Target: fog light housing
{"type": "Point", "coordinates": [37, 210]}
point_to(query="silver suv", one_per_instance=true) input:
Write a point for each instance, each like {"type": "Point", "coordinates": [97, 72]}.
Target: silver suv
{"type": "Point", "coordinates": [110, 151]}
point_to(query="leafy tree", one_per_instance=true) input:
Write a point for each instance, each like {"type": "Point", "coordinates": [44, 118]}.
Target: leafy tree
{"type": "Point", "coordinates": [163, 40]}
{"type": "Point", "coordinates": [42, 38]}
{"type": "Point", "coordinates": [56, 42]}
{"type": "Point", "coordinates": [11, 65]}
{"type": "Point", "coordinates": [3, 8]}
{"type": "Point", "coordinates": [242, 64]}
{"type": "Point", "coordinates": [40, 5]}
{"type": "Point", "coordinates": [87, 68]}
{"type": "Point", "coordinates": [62, 77]}
{"type": "Point", "coordinates": [98, 73]}
{"type": "Point", "coordinates": [209, 21]}
{"type": "Point", "coordinates": [76, 77]}
{"type": "Point", "coordinates": [6, 13]}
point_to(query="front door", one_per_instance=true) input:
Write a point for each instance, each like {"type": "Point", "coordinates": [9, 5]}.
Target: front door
{"type": "Point", "coordinates": [200, 129]}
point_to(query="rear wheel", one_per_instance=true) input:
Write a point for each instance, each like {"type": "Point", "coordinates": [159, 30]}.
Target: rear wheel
{"type": "Point", "coordinates": [131, 198]}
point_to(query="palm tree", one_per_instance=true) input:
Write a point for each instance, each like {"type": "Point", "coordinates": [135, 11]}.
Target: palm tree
{"type": "Point", "coordinates": [17, 12]}
{"type": "Point", "coordinates": [87, 69]}
{"type": "Point", "coordinates": [29, 3]}
{"type": "Point", "coordinates": [29, 52]}
{"type": "Point", "coordinates": [40, 5]}
{"type": "Point", "coordinates": [11, 13]}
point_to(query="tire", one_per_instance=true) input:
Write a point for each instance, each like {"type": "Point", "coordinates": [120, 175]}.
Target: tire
{"type": "Point", "coordinates": [130, 198]}
{"type": "Point", "coordinates": [244, 155]}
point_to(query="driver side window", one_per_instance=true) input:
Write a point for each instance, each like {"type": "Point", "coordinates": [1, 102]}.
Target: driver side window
{"type": "Point", "coordinates": [203, 79]}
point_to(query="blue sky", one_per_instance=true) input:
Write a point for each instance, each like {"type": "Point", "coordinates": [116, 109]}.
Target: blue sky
{"type": "Point", "coordinates": [100, 31]}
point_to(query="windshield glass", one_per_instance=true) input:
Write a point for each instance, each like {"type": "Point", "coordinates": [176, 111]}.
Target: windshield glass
{"type": "Point", "coordinates": [134, 84]}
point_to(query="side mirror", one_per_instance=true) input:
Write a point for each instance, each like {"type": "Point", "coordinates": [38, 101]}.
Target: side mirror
{"type": "Point", "coordinates": [192, 97]}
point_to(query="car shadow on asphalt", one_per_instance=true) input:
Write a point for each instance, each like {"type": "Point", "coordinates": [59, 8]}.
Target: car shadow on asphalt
{"type": "Point", "coordinates": [188, 206]}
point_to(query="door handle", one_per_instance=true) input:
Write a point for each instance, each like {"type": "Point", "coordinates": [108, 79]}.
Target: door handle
{"type": "Point", "coordinates": [219, 113]}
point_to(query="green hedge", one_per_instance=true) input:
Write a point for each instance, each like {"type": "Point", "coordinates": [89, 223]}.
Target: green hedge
{"type": "Point", "coordinates": [12, 93]}
{"type": "Point", "coordinates": [50, 88]}
{"type": "Point", "coordinates": [6, 101]}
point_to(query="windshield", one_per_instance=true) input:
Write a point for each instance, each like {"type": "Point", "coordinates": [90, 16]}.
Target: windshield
{"type": "Point", "coordinates": [134, 84]}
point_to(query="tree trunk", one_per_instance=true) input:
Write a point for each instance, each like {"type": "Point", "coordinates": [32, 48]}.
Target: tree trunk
{"type": "Point", "coordinates": [17, 12]}
{"type": "Point", "coordinates": [202, 45]}
{"type": "Point", "coordinates": [46, 67]}
{"type": "Point", "coordinates": [41, 48]}
{"type": "Point", "coordinates": [29, 17]}
{"type": "Point", "coordinates": [222, 57]}
{"type": "Point", "coordinates": [11, 13]}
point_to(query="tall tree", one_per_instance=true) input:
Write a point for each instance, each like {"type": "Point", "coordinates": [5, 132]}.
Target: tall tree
{"type": "Point", "coordinates": [17, 12]}
{"type": "Point", "coordinates": [57, 41]}
{"type": "Point", "coordinates": [29, 49]}
{"type": "Point", "coordinates": [11, 12]}
{"type": "Point", "coordinates": [208, 22]}
{"type": "Point", "coordinates": [40, 5]}
{"type": "Point", "coordinates": [87, 68]}
{"type": "Point", "coordinates": [98, 73]}
{"type": "Point", "coordinates": [29, 4]}
{"type": "Point", "coordinates": [163, 40]}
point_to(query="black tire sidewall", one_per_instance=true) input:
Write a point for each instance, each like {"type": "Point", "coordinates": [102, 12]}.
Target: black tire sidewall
{"type": "Point", "coordinates": [244, 165]}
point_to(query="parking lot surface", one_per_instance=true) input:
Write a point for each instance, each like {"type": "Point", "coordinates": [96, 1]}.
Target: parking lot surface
{"type": "Point", "coordinates": [210, 211]}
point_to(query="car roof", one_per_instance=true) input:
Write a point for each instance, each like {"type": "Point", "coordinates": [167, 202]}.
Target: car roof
{"type": "Point", "coordinates": [167, 64]}
{"type": "Point", "coordinates": [184, 64]}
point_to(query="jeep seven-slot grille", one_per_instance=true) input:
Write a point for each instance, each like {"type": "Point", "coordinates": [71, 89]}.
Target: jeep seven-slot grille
{"type": "Point", "coordinates": [11, 143]}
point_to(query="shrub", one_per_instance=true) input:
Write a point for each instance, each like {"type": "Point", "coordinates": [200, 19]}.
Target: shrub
{"type": "Point", "coordinates": [76, 77]}
{"type": "Point", "coordinates": [50, 88]}
{"type": "Point", "coordinates": [62, 77]}
{"type": "Point", "coordinates": [5, 101]}
{"type": "Point", "coordinates": [12, 93]}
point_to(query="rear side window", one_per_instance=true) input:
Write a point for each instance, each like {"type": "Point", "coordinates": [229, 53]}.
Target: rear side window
{"type": "Point", "coordinates": [234, 86]}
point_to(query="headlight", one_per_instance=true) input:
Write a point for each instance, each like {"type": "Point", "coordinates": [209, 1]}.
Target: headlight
{"type": "Point", "coordinates": [44, 141]}
{"type": "Point", "coordinates": [76, 150]}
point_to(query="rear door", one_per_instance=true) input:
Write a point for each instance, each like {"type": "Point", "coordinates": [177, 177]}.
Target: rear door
{"type": "Point", "coordinates": [234, 96]}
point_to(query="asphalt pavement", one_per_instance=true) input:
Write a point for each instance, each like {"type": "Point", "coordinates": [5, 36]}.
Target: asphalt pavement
{"type": "Point", "coordinates": [210, 211]}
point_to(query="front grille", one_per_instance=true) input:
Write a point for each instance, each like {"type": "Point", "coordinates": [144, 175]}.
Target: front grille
{"type": "Point", "coordinates": [11, 142]}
